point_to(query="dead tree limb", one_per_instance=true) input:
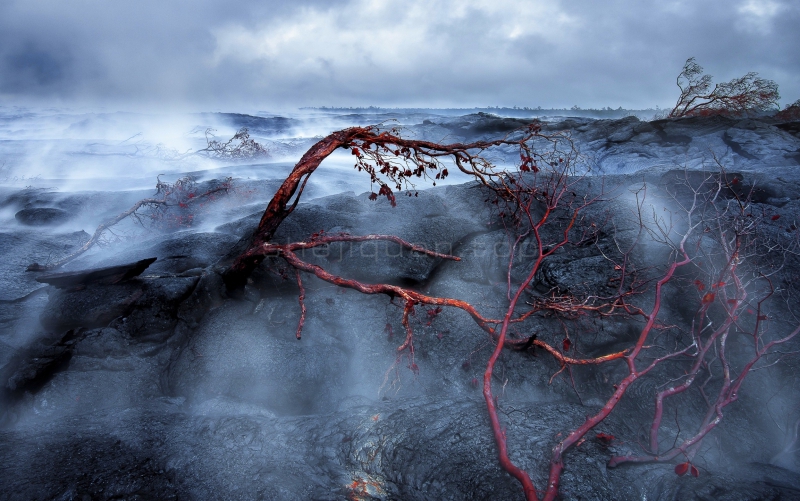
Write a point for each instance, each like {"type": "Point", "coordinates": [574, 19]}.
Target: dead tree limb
{"type": "Point", "coordinates": [388, 159]}
{"type": "Point", "coordinates": [180, 194]}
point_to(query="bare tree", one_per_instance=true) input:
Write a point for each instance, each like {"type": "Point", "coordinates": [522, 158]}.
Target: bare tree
{"type": "Point", "coordinates": [740, 96]}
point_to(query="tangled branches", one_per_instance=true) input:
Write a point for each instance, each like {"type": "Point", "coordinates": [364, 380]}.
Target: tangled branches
{"type": "Point", "coordinates": [725, 243]}
{"type": "Point", "coordinates": [740, 96]}
{"type": "Point", "coordinates": [239, 147]}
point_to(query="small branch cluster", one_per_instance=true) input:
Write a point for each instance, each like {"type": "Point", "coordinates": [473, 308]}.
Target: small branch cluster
{"type": "Point", "coordinates": [239, 147]}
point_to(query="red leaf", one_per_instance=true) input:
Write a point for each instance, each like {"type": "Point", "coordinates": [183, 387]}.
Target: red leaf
{"type": "Point", "coordinates": [567, 343]}
{"type": "Point", "coordinates": [605, 437]}
{"type": "Point", "coordinates": [695, 471]}
{"type": "Point", "coordinates": [731, 301]}
{"type": "Point", "coordinates": [709, 298]}
{"type": "Point", "coordinates": [735, 180]}
{"type": "Point", "coordinates": [700, 286]}
{"type": "Point", "coordinates": [682, 468]}
{"type": "Point", "coordinates": [762, 317]}
{"type": "Point", "coordinates": [775, 217]}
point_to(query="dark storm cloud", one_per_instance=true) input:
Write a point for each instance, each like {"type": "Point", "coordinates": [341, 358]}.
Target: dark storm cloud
{"type": "Point", "coordinates": [415, 52]}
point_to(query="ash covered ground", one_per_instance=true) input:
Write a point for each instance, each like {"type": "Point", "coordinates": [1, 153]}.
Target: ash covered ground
{"type": "Point", "coordinates": [164, 386]}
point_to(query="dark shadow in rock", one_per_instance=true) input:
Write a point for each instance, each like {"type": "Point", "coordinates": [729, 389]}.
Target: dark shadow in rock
{"type": "Point", "coordinates": [94, 466]}
{"type": "Point", "coordinates": [89, 306]}
{"type": "Point", "coordinates": [736, 147]}
{"type": "Point", "coordinates": [177, 253]}
{"type": "Point", "coordinates": [155, 314]}
{"type": "Point", "coordinates": [42, 216]}
{"type": "Point", "coordinates": [792, 128]}
{"type": "Point", "coordinates": [36, 365]}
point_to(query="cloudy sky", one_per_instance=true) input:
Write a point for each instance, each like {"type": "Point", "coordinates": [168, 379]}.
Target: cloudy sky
{"type": "Point", "coordinates": [271, 54]}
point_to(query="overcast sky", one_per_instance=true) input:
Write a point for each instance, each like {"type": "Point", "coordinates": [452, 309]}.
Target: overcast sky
{"type": "Point", "coordinates": [270, 54]}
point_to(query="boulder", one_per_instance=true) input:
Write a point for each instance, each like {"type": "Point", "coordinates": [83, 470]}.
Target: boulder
{"type": "Point", "coordinates": [42, 216]}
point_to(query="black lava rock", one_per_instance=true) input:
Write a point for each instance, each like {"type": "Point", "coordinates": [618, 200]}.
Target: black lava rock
{"type": "Point", "coordinates": [42, 216]}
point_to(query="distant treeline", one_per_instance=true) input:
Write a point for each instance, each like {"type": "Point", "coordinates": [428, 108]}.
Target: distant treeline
{"type": "Point", "coordinates": [514, 111]}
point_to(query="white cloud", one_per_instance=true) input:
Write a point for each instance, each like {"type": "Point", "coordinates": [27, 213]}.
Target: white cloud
{"type": "Point", "coordinates": [412, 37]}
{"type": "Point", "coordinates": [758, 15]}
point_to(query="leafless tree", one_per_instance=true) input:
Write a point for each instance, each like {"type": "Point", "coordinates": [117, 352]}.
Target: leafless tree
{"type": "Point", "coordinates": [740, 96]}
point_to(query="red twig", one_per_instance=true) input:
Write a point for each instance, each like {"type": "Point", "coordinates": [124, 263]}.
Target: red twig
{"type": "Point", "coordinates": [301, 298]}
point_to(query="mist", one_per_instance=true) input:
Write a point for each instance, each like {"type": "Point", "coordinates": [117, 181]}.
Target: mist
{"type": "Point", "coordinates": [130, 367]}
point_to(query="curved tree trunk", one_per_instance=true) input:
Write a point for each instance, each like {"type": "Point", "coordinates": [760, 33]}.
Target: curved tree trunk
{"type": "Point", "coordinates": [235, 276]}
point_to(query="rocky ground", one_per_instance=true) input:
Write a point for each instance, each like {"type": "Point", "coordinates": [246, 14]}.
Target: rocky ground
{"type": "Point", "coordinates": [157, 384]}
